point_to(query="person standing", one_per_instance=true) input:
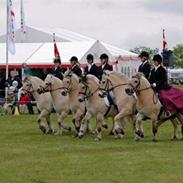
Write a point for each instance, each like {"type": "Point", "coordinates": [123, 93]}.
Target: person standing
{"type": "Point", "coordinates": [104, 65]}
{"type": "Point", "coordinates": [75, 68]}
{"type": "Point", "coordinates": [145, 67]}
{"type": "Point", "coordinates": [57, 71]}
{"type": "Point", "coordinates": [91, 68]}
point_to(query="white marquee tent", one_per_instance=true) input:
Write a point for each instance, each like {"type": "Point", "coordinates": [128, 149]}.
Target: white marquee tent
{"type": "Point", "coordinates": [42, 54]}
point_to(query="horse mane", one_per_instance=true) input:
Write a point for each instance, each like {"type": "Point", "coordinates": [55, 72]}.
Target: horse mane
{"type": "Point", "coordinates": [90, 76]}
{"type": "Point", "coordinates": [139, 75]}
{"type": "Point", "coordinates": [117, 74]}
{"type": "Point", "coordinates": [34, 78]}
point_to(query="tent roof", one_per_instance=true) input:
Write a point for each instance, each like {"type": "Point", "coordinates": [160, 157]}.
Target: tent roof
{"type": "Point", "coordinates": [37, 35]}
{"type": "Point", "coordinates": [39, 54]}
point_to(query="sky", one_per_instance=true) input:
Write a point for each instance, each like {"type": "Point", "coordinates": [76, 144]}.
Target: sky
{"type": "Point", "coordinates": [122, 23]}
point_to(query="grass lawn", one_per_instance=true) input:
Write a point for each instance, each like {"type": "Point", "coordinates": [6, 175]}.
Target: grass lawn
{"type": "Point", "coordinates": [28, 156]}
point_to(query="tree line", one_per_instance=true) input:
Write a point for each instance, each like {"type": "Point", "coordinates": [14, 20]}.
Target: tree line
{"type": "Point", "coordinates": [177, 53]}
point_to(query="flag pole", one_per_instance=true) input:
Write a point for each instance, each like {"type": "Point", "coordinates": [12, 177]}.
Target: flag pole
{"type": "Point", "coordinates": [7, 68]}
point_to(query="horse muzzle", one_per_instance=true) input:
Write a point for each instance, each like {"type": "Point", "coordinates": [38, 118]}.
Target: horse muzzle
{"type": "Point", "coordinates": [129, 91]}
{"type": "Point", "coordinates": [64, 93]}
{"type": "Point", "coordinates": [40, 91]}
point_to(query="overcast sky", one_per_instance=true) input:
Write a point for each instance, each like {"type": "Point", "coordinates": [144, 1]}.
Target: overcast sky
{"type": "Point", "coordinates": [123, 23]}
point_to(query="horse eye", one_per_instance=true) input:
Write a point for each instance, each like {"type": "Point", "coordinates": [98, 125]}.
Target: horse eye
{"type": "Point", "coordinates": [83, 87]}
{"type": "Point", "coordinates": [136, 81]}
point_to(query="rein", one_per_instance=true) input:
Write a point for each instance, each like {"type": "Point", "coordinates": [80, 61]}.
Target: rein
{"type": "Point", "coordinates": [107, 89]}
{"type": "Point", "coordinates": [90, 93]}
{"type": "Point", "coordinates": [137, 91]}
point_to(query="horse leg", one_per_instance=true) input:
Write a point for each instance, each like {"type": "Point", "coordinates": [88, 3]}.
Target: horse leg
{"type": "Point", "coordinates": [180, 118]}
{"type": "Point", "coordinates": [50, 130]}
{"type": "Point", "coordinates": [76, 120]}
{"type": "Point", "coordinates": [112, 130]}
{"type": "Point", "coordinates": [99, 121]}
{"type": "Point", "coordinates": [40, 118]}
{"type": "Point", "coordinates": [175, 125]}
{"type": "Point", "coordinates": [117, 122]}
{"type": "Point", "coordinates": [61, 123]}
{"type": "Point", "coordinates": [139, 132]}
{"type": "Point", "coordinates": [84, 124]}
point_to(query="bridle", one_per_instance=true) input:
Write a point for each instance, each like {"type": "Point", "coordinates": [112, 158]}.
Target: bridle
{"type": "Point", "coordinates": [88, 93]}
{"type": "Point", "coordinates": [30, 89]}
{"type": "Point", "coordinates": [48, 85]}
{"type": "Point", "coordinates": [69, 88]}
{"type": "Point", "coordinates": [107, 87]}
{"type": "Point", "coordinates": [135, 89]}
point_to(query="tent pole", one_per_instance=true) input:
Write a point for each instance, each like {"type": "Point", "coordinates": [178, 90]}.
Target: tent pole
{"type": "Point", "coordinates": [7, 68]}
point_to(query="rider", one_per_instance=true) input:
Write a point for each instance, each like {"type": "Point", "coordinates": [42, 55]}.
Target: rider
{"type": "Point", "coordinates": [159, 81]}
{"type": "Point", "coordinates": [91, 68]}
{"type": "Point", "coordinates": [158, 76]}
{"type": "Point", "coordinates": [104, 65]}
{"type": "Point", "coordinates": [57, 71]}
{"type": "Point", "coordinates": [145, 67]}
{"type": "Point", "coordinates": [75, 68]}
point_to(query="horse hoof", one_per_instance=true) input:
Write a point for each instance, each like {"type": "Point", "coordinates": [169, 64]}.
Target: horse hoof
{"type": "Point", "coordinates": [50, 131]}
{"type": "Point", "coordinates": [69, 129]}
{"type": "Point", "coordinates": [80, 136]}
{"type": "Point", "coordinates": [111, 133]}
{"type": "Point", "coordinates": [105, 126]}
{"type": "Point", "coordinates": [154, 140]}
{"type": "Point", "coordinates": [43, 129]}
{"type": "Point", "coordinates": [98, 139]}
{"type": "Point", "coordinates": [119, 136]}
{"type": "Point", "coordinates": [174, 139]}
{"type": "Point", "coordinates": [137, 138]}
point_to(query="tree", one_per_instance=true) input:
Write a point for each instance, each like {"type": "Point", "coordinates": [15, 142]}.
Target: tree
{"type": "Point", "coordinates": [151, 51]}
{"type": "Point", "coordinates": [178, 55]}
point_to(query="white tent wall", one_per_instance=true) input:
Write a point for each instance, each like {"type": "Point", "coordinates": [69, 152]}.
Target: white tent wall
{"type": "Point", "coordinates": [128, 67]}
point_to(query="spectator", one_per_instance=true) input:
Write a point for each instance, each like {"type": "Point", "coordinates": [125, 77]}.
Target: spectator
{"type": "Point", "coordinates": [24, 99]}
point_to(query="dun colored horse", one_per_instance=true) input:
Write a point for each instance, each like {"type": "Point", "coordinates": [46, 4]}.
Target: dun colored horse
{"type": "Point", "coordinates": [148, 105]}
{"type": "Point", "coordinates": [96, 106]}
{"type": "Point", "coordinates": [43, 101]}
{"type": "Point", "coordinates": [116, 83]}
{"type": "Point", "coordinates": [78, 109]}
{"type": "Point", "coordinates": [60, 99]}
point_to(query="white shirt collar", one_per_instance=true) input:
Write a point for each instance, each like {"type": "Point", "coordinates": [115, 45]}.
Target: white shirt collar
{"type": "Point", "coordinates": [156, 67]}
{"type": "Point", "coordinates": [144, 62]}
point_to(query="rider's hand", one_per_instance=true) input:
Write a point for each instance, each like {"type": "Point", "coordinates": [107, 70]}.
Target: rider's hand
{"type": "Point", "coordinates": [154, 85]}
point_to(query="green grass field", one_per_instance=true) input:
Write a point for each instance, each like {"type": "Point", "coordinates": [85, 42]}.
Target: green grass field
{"type": "Point", "coordinates": [28, 156]}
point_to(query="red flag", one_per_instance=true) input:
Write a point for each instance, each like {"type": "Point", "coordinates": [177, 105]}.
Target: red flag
{"type": "Point", "coordinates": [165, 45]}
{"type": "Point", "coordinates": [56, 52]}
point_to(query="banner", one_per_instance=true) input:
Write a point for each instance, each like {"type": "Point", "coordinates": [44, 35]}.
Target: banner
{"type": "Point", "coordinates": [22, 22]}
{"type": "Point", "coordinates": [11, 27]}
